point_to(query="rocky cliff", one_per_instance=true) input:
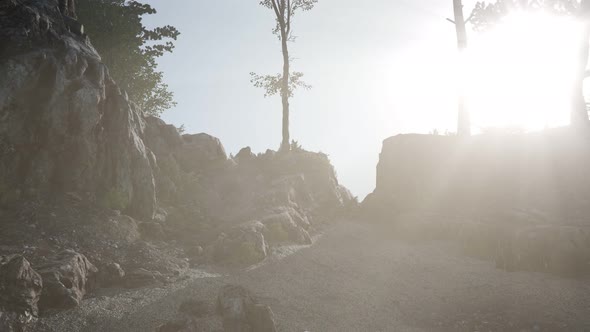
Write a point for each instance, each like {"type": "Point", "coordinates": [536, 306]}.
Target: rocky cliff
{"type": "Point", "coordinates": [64, 123]}
{"type": "Point", "coordinates": [545, 172]}
{"type": "Point", "coordinates": [94, 194]}
{"type": "Point", "coordinates": [521, 200]}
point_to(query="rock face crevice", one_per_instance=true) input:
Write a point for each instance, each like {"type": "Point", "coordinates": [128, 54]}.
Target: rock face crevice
{"type": "Point", "coordinates": [64, 123]}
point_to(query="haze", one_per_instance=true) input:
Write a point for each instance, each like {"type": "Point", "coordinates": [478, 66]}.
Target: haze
{"type": "Point", "coordinates": [377, 69]}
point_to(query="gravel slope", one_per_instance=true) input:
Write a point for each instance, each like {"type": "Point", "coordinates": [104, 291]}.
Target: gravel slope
{"type": "Point", "coordinates": [356, 279]}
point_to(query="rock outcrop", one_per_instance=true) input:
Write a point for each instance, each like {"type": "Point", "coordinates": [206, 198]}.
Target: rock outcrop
{"type": "Point", "coordinates": [64, 124]}
{"type": "Point", "coordinates": [20, 289]}
{"type": "Point", "coordinates": [66, 279]}
{"type": "Point", "coordinates": [87, 180]}
{"type": "Point", "coordinates": [241, 311]}
{"type": "Point", "coordinates": [545, 172]}
{"type": "Point", "coordinates": [236, 310]}
{"type": "Point", "coordinates": [519, 200]}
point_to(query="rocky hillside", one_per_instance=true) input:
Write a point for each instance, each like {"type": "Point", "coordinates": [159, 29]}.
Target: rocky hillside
{"type": "Point", "coordinates": [93, 194]}
{"type": "Point", "coordinates": [522, 200]}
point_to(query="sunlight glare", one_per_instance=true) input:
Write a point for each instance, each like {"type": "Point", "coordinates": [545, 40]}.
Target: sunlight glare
{"type": "Point", "coordinates": [521, 72]}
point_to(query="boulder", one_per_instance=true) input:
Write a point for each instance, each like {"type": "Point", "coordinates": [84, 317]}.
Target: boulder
{"type": "Point", "coordinates": [241, 245]}
{"type": "Point", "coordinates": [262, 318]}
{"type": "Point", "coordinates": [245, 155]}
{"type": "Point", "coordinates": [234, 303]}
{"type": "Point", "coordinates": [152, 230]}
{"type": "Point", "coordinates": [66, 279]}
{"type": "Point", "coordinates": [111, 274]}
{"type": "Point", "coordinates": [194, 308]}
{"type": "Point", "coordinates": [208, 324]}
{"type": "Point", "coordinates": [141, 278]}
{"type": "Point", "coordinates": [563, 250]}
{"type": "Point", "coordinates": [160, 137]}
{"type": "Point", "coordinates": [241, 312]}
{"type": "Point", "coordinates": [20, 287]}
{"type": "Point", "coordinates": [200, 152]}
{"type": "Point", "coordinates": [281, 227]}
{"type": "Point", "coordinates": [122, 229]}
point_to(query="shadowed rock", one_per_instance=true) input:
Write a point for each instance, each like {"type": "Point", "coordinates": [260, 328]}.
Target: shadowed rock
{"type": "Point", "coordinates": [66, 279]}
{"type": "Point", "coordinates": [20, 288]}
{"type": "Point", "coordinates": [66, 126]}
{"type": "Point", "coordinates": [241, 311]}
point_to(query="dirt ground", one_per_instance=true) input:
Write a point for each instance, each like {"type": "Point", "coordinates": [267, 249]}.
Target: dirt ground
{"type": "Point", "coordinates": [355, 278]}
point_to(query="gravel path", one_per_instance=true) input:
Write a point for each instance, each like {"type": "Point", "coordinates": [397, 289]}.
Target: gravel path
{"type": "Point", "coordinates": [356, 279]}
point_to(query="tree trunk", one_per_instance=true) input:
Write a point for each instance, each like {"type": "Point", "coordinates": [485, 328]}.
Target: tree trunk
{"type": "Point", "coordinates": [463, 120]}
{"type": "Point", "coordinates": [579, 112]}
{"type": "Point", "coordinates": [285, 145]}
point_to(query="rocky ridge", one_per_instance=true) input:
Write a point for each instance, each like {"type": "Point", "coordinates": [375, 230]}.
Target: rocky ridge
{"type": "Point", "coordinates": [94, 194]}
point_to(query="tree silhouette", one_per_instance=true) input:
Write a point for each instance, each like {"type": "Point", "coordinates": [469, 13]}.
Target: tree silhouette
{"type": "Point", "coordinates": [486, 15]}
{"type": "Point", "coordinates": [463, 119]}
{"type": "Point", "coordinates": [285, 83]}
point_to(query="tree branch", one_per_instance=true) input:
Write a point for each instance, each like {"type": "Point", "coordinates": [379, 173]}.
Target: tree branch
{"type": "Point", "coordinates": [289, 12]}
{"type": "Point", "coordinates": [276, 9]}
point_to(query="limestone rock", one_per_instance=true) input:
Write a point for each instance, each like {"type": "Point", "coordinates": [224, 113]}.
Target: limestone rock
{"type": "Point", "coordinates": [142, 278]}
{"type": "Point", "coordinates": [111, 275]}
{"type": "Point", "coordinates": [245, 155]}
{"type": "Point", "coordinates": [66, 279]}
{"type": "Point", "coordinates": [151, 230]}
{"type": "Point", "coordinates": [241, 311]}
{"type": "Point", "coordinates": [200, 152]}
{"type": "Point", "coordinates": [194, 308]}
{"type": "Point", "coordinates": [241, 245]}
{"type": "Point", "coordinates": [282, 228]}
{"type": "Point", "coordinates": [65, 124]}
{"type": "Point", "coordinates": [20, 287]}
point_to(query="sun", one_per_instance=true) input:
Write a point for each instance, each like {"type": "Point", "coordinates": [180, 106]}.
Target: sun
{"type": "Point", "coordinates": [521, 72]}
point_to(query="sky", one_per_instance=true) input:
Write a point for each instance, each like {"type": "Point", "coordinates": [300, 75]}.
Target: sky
{"type": "Point", "coordinates": [378, 68]}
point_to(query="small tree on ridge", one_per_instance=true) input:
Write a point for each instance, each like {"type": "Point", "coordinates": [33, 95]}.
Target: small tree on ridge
{"type": "Point", "coordinates": [286, 82]}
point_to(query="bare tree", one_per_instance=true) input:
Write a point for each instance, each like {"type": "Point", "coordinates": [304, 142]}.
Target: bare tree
{"type": "Point", "coordinates": [287, 82]}
{"type": "Point", "coordinates": [463, 118]}
{"type": "Point", "coordinates": [579, 111]}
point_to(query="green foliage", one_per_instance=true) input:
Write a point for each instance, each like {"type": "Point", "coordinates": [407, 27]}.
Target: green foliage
{"type": "Point", "coordinates": [286, 9]}
{"type": "Point", "coordinates": [272, 84]}
{"type": "Point", "coordinates": [129, 49]}
{"type": "Point", "coordinates": [115, 200]}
